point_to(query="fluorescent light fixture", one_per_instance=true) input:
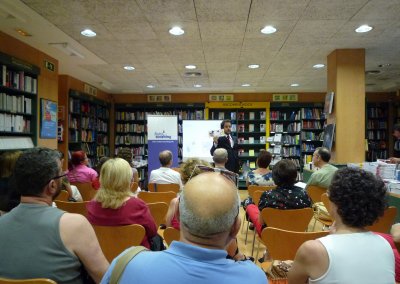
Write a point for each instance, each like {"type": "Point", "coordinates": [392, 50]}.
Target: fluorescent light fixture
{"type": "Point", "coordinates": [319, 65]}
{"type": "Point", "coordinates": [363, 29]}
{"type": "Point", "coordinates": [150, 86]}
{"type": "Point", "coordinates": [176, 31]}
{"type": "Point", "coordinates": [197, 85]}
{"type": "Point", "coordinates": [129, 67]}
{"type": "Point", "coordinates": [268, 30]}
{"type": "Point", "coordinates": [88, 33]}
{"type": "Point", "coordinates": [253, 66]}
{"type": "Point", "coordinates": [23, 33]}
{"type": "Point", "coordinates": [246, 85]}
{"type": "Point", "coordinates": [66, 48]}
{"type": "Point", "coordinates": [294, 85]}
{"type": "Point", "coordinates": [190, 66]}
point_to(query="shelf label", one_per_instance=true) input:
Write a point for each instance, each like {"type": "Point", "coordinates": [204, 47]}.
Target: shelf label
{"type": "Point", "coordinates": [220, 98]}
{"type": "Point", "coordinates": [284, 97]}
{"type": "Point", "coordinates": [90, 90]}
{"type": "Point", "coordinates": [50, 66]}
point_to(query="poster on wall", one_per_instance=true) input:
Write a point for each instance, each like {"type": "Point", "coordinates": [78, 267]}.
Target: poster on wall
{"type": "Point", "coordinates": [48, 119]}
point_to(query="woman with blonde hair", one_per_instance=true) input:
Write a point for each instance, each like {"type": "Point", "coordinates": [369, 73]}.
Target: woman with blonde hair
{"type": "Point", "coordinates": [114, 203]}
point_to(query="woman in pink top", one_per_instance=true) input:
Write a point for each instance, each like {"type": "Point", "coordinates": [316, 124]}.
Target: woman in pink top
{"type": "Point", "coordinates": [78, 169]}
{"type": "Point", "coordinates": [114, 204]}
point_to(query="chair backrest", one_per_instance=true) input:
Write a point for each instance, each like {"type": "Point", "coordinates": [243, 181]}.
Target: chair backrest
{"type": "Point", "coordinates": [63, 196]}
{"type": "Point", "coordinates": [27, 281]}
{"type": "Point", "coordinates": [251, 189]}
{"type": "Point", "coordinates": [325, 200]}
{"type": "Point", "coordinates": [134, 187]}
{"type": "Point", "coordinates": [290, 219]}
{"type": "Point", "coordinates": [115, 239]}
{"type": "Point", "coordinates": [158, 210]}
{"type": "Point", "coordinates": [158, 187]}
{"type": "Point", "coordinates": [257, 196]}
{"type": "Point", "coordinates": [283, 245]}
{"type": "Point", "coordinates": [86, 190]}
{"type": "Point", "coordinates": [171, 234]}
{"type": "Point", "coordinates": [315, 192]}
{"type": "Point", "coordinates": [73, 207]}
{"type": "Point", "coordinates": [153, 197]}
{"type": "Point", "coordinates": [384, 223]}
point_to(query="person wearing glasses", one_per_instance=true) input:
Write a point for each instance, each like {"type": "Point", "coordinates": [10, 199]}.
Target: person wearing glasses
{"type": "Point", "coordinates": [323, 176]}
{"type": "Point", "coordinates": [40, 241]}
{"type": "Point", "coordinates": [351, 253]}
{"type": "Point", "coordinates": [208, 210]}
{"type": "Point", "coordinates": [79, 170]}
{"type": "Point", "coordinates": [226, 141]}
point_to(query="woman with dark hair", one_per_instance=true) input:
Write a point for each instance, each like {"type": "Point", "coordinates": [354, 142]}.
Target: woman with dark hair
{"type": "Point", "coordinates": [9, 197]}
{"type": "Point", "coordinates": [79, 170]}
{"type": "Point", "coordinates": [262, 175]}
{"type": "Point", "coordinates": [350, 254]}
{"type": "Point", "coordinates": [96, 181]}
{"type": "Point", "coordinates": [127, 155]}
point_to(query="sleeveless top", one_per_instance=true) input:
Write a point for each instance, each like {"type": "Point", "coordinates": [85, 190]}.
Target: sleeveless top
{"type": "Point", "coordinates": [357, 258]}
{"type": "Point", "coordinates": [31, 245]}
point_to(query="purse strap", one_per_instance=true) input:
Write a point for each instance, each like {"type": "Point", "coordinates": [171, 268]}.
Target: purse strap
{"type": "Point", "coordinates": [123, 261]}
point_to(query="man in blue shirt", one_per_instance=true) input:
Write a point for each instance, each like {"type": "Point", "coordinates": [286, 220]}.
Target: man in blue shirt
{"type": "Point", "coordinates": [208, 212]}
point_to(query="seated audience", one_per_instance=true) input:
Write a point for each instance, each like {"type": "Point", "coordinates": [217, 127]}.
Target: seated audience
{"type": "Point", "coordinates": [9, 197]}
{"type": "Point", "coordinates": [285, 196]}
{"type": "Point", "coordinates": [323, 176]}
{"type": "Point", "coordinates": [126, 154]}
{"type": "Point", "coordinates": [351, 254]}
{"type": "Point", "coordinates": [220, 157]}
{"type": "Point", "coordinates": [208, 212]}
{"type": "Point", "coordinates": [79, 170]}
{"type": "Point", "coordinates": [165, 175]}
{"type": "Point", "coordinates": [114, 204]}
{"type": "Point", "coordinates": [262, 175]}
{"type": "Point", "coordinates": [40, 241]}
{"type": "Point", "coordinates": [73, 192]}
{"type": "Point", "coordinates": [96, 181]}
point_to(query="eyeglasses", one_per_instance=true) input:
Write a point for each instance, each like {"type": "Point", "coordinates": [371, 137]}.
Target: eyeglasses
{"type": "Point", "coordinates": [234, 177]}
{"type": "Point", "coordinates": [57, 177]}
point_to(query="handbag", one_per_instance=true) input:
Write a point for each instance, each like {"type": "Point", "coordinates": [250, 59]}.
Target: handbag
{"type": "Point", "coordinates": [321, 212]}
{"type": "Point", "coordinates": [279, 269]}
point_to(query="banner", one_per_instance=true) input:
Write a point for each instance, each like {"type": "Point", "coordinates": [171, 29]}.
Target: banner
{"type": "Point", "coordinates": [162, 131]}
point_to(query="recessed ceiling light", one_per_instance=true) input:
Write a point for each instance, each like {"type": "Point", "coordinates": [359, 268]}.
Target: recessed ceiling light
{"type": "Point", "coordinates": [268, 30]}
{"type": "Point", "coordinates": [190, 66]}
{"type": "Point", "coordinates": [176, 31]}
{"type": "Point", "coordinates": [294, 85]}
{"type": "Point", "coordinates": [253, 66]}
{"type": "Point", "coordinates": [88, 33]}
{"type": "Point", "coordinates": [150, 86]}
{"type": "Point", "coordinates": [319, 65]}
{"type": "Point", "coordinates": [197, 85]}
{"type": "Point", "coordinates": [363, 29]}
{"type": "Point", "coordinates": [246, 85]}
{"type": "Point", "coordinates": [23, 33]}
{"type": "Point", "coordinates": [129, 68]}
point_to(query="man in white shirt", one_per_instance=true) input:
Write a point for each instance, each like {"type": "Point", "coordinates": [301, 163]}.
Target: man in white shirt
{"type": "Point", "coordinates": [164, 174]}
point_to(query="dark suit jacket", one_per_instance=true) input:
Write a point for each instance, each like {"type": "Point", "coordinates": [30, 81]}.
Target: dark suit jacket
{"type": "Point", "coordinates": [233, 160]}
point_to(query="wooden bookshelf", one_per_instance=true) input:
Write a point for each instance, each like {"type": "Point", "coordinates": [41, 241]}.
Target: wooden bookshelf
{"type": "Point", "coordinates": [377, 133]}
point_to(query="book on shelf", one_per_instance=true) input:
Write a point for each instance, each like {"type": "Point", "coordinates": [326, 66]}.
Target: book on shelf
{"type": "Point", "coordinates": [262, 115]}
{"type": "Point", "coordinates": [221, 115]}
{"type": "Point", "coordinates": [262, 139]}
{"type": "Point", "coordinates": [279, 128]}
{"type": "Point", "coordinates": [241, 140]}
{"type": "Point", "coordinates": [241, 115]}
{"type": "Point", "coordinates": [262, 127]}
{"type": "Point", "coordinates": [270, 138]}
{"type": "Point", "coordinates": [233, 115]}
{"type": "Point", "coordinates": [253, 165]}
{"type": "Point", "coordinates": [278, 137]}
{"type": "Point", "coordinates": [251, 127]}
{"type": "Point", "coordinates": [233, 128]}
{"type": "Point", "coordinates": [251, 140]}
{"type": "Point", "coordinates": [251, 152]}
{"type": "Point", "coordinates": [241, 127]}
{"type": "Point", "coordinates": [240, 152]}
{"type": "Point", "coordinates": [251, 115]}
{"type": "Point", "coordinates": [277, 149]}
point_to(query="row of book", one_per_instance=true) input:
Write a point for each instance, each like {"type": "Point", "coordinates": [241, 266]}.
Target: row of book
{"type": "Point", "coordinates": [130, 139]}
{"type": "Point", "coordinates": [281, 115]}
{"type": "Point", "coordinates": [307, 147]}
{"type": "Point", "coordinates": [15, 104]}
{"type": "Point", "coordinates": [250, 127]}
{"type": "Point", "coordinates": [18, 80]}
{"type": "Point", "coordinates": [102, 139]}
{"type": "Point", "coordinates": [131, 127]}
{"type": "Point", "coordinates": [312, 136]}
{"type": "Point", "coordinates": [251, 140]}
{"type": "Point", "coordinates": [249, 152]}
{"type": "Point", "coordinates": [312, 124]}
{"type": "Point", "coordinates": [241, 115]}
{"type": "Point", "coordinates": [14, 123]}
{"type": "Point", "coordinates": [130, 115]}
{"type": "Point", "coordinates": [311, 113]}
{"type": "Point", "coordinates": [136, 151]}
{"type": "Point", "coordinates": [376, 112]}
{"type": "Point", "coordinates": [374, 124]}
{"type": "Point", "coordinates": [376, 134]}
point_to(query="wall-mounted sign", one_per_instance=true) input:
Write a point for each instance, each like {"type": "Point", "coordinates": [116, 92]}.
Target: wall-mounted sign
{"type": "Point", "coordinates": [284, 98]}
{"type": "Point", "coordinates": [90, 90]}
{"type": "Point", "coordinates": [158, 98]}
{"type": "Point", "coordinates": [50, 66]}
{"type": "Point", "coordinates": [220, 98]}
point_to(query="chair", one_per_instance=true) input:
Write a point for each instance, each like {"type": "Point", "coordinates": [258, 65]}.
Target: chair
{"type": "Point", "coordinates": [158, 210]}
{"type": "Point", "coordinates": [157, 187]}
{"type": "Point", "coordinates": [384, 223]}
{"type": "Point", "coordinates": [315, 192]}
{"type": "Point", "coordinates": [27, 281]}
{"type": "Point", "coordinates": [73, 207]}
{"type": "Point", "coordinates": [86, 190]}
{"type": "Point", "coordinates": [63, 196]}
{"type": "Point", "coordinates": [153, 197]}
{"type": "Point", "coordinates": [134, 187]}
{"type": "Point", "coordinates": [115, 239]}
{"type": "Point", "coordinates": [171, 234]}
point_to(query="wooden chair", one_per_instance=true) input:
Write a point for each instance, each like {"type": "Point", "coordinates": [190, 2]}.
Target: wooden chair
{"type": "Point", "coordinates": [63, 196]}
{"type": "Point", "coordinates": [384, 223]}
{"type": "Point", "coordinates": [134, 187]}
{"type": "Point", "coordinates": [86, 190]}
{"type": "Point", "coordinates": [158, 210]}
{"type": "Point", "coordinates": [153, 197]}
{"type": "Point", "coordinates": [115, 239]}
{"type": "Point", "coordinates": [171, 234]}
{"type": "Point", "coordinates": [73, 207]}
{"type": "Point", "coordinates": [27, 281]}
{"type": "Point", "coordinates": [315, 192]}
{"type": "Point", "coordinates": [157, 187]}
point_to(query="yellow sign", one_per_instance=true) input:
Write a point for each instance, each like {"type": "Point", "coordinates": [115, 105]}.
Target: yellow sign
{"type": "Point", "coordinates": [220, 98]}
{"type": "Point", "coordinates": [284, 98]}
{"type": "Point", "coordinates": [237, 105]}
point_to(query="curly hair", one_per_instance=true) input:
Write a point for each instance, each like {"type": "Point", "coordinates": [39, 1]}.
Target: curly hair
{"type": "Point", "coordinates": [187, 168]}
{"type": "Point", "coordinates": [359, 196]}
{"type": "Point", "coordinates": [126, 154]}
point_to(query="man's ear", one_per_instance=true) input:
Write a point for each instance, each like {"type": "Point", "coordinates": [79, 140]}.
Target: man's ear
{"type": "Point", "coordinates": [51, 187]}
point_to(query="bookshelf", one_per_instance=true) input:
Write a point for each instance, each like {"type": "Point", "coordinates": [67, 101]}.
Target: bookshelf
{"type": "Point", "coordinates": [312, 126]}
{"type": "Point", "coordinates": [18, 103]}
{"type": "Point", "coordinates": [88, 125]}
{"type": "Point", "coordinates": [377, 133]}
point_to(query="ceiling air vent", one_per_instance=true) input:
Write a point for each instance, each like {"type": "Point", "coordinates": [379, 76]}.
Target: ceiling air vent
{"type": "Point", "coordinates": [192, 74]}
{"type": "Point", "coordinates": [372, 72]}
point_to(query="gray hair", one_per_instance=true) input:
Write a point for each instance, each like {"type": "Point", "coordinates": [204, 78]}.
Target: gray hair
{"type": "Point", "coordinates": [220, 155]}
{"type": "Point", "coordinates": [201, 226]}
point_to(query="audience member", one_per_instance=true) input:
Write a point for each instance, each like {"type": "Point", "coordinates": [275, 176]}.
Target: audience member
{"type": "Point", "coordinates": [323, 176]}
{"type": "Point", "coordinates": [9, 197]}
{"type": "Point", "coordinates": [79, 170]}
{"type": "Point", "coordinates": [40, 241]}
{"type": "Point", "coordinates": [396, 134]}
{"type": "Point", "coordinates": [126, 154]}
{"type": "Point", "coordinates": [351, 254]}
{"type": "Point", "coordinates": [73, 192]}
{"type": "Point", "coordinates": [164, 174]}
{"type": "Point", "coordinates": [220, 157]}
{"type": "Point", "coordinates": [114, 204]}
{"type": "Point", "coordinates": [208, 212]}
{"type": "Point", "coordinates": [262, 175]}
{"type": "Point", "coordinates": [96, 181]}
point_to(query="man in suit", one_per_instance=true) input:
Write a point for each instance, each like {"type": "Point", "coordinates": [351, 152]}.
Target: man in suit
{"type": "Point", "coordinates": [226, 141]}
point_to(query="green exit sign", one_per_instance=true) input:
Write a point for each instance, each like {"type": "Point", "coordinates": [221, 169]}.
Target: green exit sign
{"type": "Point", "coordinates": [50, 66]}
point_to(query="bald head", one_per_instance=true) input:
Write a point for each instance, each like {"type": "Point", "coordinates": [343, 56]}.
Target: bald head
{"type": "Point", "coordinates": [165, 158]}
{"type": "Point", "coordinates": [208, 205]}
{"type": "Point", "coordinates": [220, 156]}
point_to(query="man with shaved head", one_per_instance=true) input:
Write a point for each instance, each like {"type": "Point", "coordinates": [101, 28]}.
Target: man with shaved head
{"type": "Point", "coordinates": [208, 212]}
